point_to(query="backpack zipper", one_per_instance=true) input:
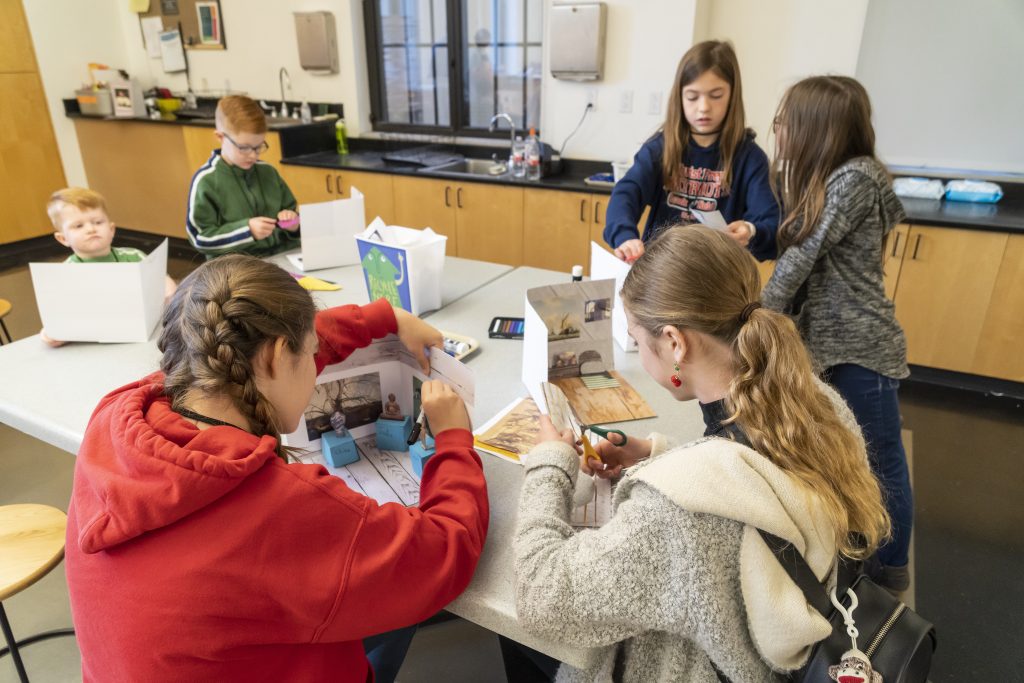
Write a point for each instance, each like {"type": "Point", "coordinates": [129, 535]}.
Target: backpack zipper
{"type": "Point", "coordinates": [882, 632]}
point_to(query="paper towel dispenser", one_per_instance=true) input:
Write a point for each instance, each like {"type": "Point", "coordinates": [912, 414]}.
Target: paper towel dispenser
{"type": "Point", "coordinates": [318, 41]}
{"type": "Point", "coordinates": [577, 40]}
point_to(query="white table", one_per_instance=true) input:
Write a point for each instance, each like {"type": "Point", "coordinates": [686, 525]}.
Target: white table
{"type": "Point", "coordinates": [490, 599]}
{"type": "Point", "coordinates": [50, 393]}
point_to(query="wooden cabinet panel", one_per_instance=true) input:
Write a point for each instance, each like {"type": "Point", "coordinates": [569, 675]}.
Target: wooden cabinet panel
{"type": "Point", "coordinates": [200, 142]}
{"type": "Point", "coordinates": [378, 193]}
{"type": "Point", "coordinates": [600, 207]}
{"type": "Point", "coordinates": [895, 248]}
{"type": "Point", "coordinates": [30, 165]}
{"type": "Point", "coordinates": [945, 285]}
{"type": "Point", "coordinates": [489, 222]}
{"type": "Point", "coordinates": [999, 352]}
{"type": "Point", "coordinates": [556, 229]}
{"type": "Point", "coordinates": [310, 184]}
{"type": "Point", "coordinates": [765, 270]}
{"type": "Point", "coordinates": [427, 203]}
{"type": "Point", "coordinates": [16, 53]}
{"type": "Point", "coordinates": [142, 171]}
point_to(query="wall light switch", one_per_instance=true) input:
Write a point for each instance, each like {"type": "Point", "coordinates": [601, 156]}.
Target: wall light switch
{"type": "Point", "coordinates": [626, 102]}
{"type": "Point", "coordinates": [654, 103]}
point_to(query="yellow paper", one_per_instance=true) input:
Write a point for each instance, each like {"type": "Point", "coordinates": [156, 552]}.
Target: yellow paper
{"type": "Point", "coordinates": [138, 6]}
{"type": "Point", "coordinates": [315, 284]}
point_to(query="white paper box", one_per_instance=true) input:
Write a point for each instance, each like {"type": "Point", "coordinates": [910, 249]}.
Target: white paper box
{"type": "Point", "coordinates": [402, 265]}
{"type": "Point", "coordinates": [606, 266]}
{"type": "Point", "coordinates": [101, 302]}
{"type": "Point", "coordinates": [327, 232]}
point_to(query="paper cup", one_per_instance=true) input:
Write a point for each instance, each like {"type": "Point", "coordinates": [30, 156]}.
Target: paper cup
{"type": "Point", "coordinates": [619, 169]}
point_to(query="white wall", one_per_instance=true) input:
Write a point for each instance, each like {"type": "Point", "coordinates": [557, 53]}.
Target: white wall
{"type": "Point", "coordinates": [67, 35]}
{"type": "Point", "coordinates": [644, 43]}
{"type": "Point", "coordinates": [780, 42]}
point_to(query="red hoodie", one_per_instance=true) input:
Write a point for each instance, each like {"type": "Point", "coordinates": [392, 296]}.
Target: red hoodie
{"type": "Point", "coordinates": [198, 555]}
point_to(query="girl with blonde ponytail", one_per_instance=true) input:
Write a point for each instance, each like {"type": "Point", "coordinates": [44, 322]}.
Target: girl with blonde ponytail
{"type": "Point", "coordinates": [186, 519]}
{"type": "Point", "coordinates": [679, 584]}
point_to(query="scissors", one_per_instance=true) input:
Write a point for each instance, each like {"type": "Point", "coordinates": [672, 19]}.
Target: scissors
{"type": "Point", "coordinates": [604, 432]}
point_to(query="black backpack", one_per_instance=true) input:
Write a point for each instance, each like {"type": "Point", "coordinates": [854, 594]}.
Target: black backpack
{"type": "Point", "coordinates": [896, 639]}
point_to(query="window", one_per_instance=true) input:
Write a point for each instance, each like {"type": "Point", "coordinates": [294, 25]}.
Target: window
{"type": "Point", "coordinates": [448, 66]}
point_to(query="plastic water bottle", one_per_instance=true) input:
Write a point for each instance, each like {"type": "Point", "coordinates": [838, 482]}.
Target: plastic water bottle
{"type": "Point", "coordinates": [518, 157]}
{"type": "Point", "coordinates": [341, 136]}
{"type": "Point", "coordinates": [305, 113]}
{"type": "Point", "coordinates": [532, 156]}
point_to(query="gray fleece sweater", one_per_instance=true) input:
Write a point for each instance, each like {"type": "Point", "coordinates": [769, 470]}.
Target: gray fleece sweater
{"type": "Point", "coordinates": [846, 317]}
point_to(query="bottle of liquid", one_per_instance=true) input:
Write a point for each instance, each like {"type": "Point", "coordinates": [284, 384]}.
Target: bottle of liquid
{"type": "Point", "coordinates": [533, 156]}
{"type": "Point", "coordinates": [577, 273]}
{"type": "Point", "coordinates": [305, 113]}
{"type": "Point", "coordinates": [518, 157]}
{"type": "Point", "coordinates": [341, 135]}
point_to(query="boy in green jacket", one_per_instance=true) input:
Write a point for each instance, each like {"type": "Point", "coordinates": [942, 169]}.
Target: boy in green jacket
{"type": "Point", "coordinates": [236, 202]}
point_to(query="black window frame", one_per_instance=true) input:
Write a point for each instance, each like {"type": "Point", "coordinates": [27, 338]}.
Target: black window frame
{"type": "Point", "coordinates": [458, 118]}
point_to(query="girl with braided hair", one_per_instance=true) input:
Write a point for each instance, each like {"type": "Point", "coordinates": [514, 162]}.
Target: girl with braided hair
{"type": "Point", "coordinates": [195, 551]}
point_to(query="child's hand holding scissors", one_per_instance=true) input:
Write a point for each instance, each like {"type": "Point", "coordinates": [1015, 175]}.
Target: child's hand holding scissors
{"type": "Point", "coordinates": [616, 452]}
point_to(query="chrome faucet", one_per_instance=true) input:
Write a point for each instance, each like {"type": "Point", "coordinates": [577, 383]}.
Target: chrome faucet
{"type": "Point", "coordinates": [282, 76]}
{"type": "Point", "coordinates": [512, 129]}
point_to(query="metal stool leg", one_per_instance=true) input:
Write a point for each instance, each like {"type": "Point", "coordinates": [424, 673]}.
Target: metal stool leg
{"type": "Point", "coordinates": [13, 645]}
{"type": "Point", "coordinates": [6, 331]}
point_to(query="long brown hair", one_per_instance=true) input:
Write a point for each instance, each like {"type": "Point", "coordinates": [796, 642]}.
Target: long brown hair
{"type": "Point", "coordinates": [716, 56]}
{"type": "Point", "coordinates": [698, 279]}
{"type": "Point", "coordinates": [218, 320]}
{"type": "Point", "coordinates": [821, 123]}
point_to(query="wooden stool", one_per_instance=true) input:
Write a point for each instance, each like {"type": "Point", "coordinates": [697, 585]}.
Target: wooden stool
{"type": "Point", "coordinates": [5, 308]}
{"type": "Point", "coordinates": [31, 544]}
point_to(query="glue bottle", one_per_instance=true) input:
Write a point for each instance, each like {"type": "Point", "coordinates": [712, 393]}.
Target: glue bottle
{"type": "Point", "coordinates": [577, 273]}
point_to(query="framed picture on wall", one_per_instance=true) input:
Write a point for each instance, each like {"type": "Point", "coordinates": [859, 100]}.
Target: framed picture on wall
{"type": "Point", "coordinates": [208, 15]}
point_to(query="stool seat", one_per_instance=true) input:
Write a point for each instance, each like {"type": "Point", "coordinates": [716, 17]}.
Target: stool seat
{"type": "Point", "coordinates": [5, 307]}
{"type": "Point", "coordinates": [31, 544]}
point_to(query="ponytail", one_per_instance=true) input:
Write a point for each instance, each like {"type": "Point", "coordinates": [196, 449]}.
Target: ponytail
{"type": "Point", "coordinates": [695, 278]}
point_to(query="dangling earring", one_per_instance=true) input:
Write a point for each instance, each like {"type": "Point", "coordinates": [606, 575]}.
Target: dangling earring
{"type": "Point", "coordinates": [676, 382]}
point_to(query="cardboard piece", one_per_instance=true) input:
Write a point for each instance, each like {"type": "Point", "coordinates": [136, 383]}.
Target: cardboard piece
{"type": "Point", "coordinates": [402, 265]}
{"type": "Point", "coordinates": [604, 265]}
{"type": "Point", "coordinates": [101, 302]}
{"type": "Point", "coordinates": [328, 229]}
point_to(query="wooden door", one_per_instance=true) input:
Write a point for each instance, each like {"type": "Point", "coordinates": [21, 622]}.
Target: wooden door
{"type": "Point", "coordinates": [895, 248]}
{"type": "Point", "coordinates": [556, 229]}
{"type": "Point", "coordinates": [142, 171]}
{"type": "Point", "coordinates": [489, 222]}
{"type": "Point", "coordinates": [427, 203]}
{"type": "Point", "coordinates": [999, 352]}
{"type": "Point", "coordinates": [944, 289]}
{"type": "Point", "coordinates": [30, 165]}
{"type": "Point", "coordinates": [600, 207]}
{"type": "Point", "coordinates": [378, 192]}
{"type": "Point", "coordinates": [310, 184]}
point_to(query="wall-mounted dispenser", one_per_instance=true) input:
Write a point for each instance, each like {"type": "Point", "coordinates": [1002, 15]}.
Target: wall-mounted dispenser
{"type": "Point", "coordinates": [577, 39]}
{"type": "Point", "coordinates": [318, 41]}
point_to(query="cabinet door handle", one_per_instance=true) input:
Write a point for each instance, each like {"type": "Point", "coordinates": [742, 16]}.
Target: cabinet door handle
{"type": "Point", "coordinates": [337, 184]}
{"type": "Point", "coordinates": [895, 245]}
{"type": "Point", "coordinates": [328, 179]}
{"type": "Point", "coordinates": [916, 245]}
{"type": "Point", "coordinates": [583, 210]}
{"type": "Point", "coordinates": [458, 197]}
{"type": "Point", "coordinates": [447, 192]}
{"type": "Point", "coordinates": [597, 209]}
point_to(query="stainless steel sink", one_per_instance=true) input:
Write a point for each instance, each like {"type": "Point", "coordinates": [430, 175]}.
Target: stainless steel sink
{"type": "Point", "coordinates": [471, 167]}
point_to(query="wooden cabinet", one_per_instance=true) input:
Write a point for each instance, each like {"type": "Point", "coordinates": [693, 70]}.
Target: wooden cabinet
{"type": "Point", "coordinates": [489, 222]}
{"type": "Point", "coordinates": [16, 53]}
{"type": "Point", "coordinates": [142, 171]}
{"type": "Point", "coordinates": [557, 229]}
{"type": "Point", "coordinates": [200, 141]}
{"type": "Point", "coordinates": [946, 282]}
{"type": "Point", "coordinates": [999, 352]}
{"type": "Point", "coordinates": [310, 184]}
{"type": "Point", "coordinates": [892, 261]}
{"type": "Point", "coordinates": [427, 203]}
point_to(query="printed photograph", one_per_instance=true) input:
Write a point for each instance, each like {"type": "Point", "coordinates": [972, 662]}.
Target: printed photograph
{"type": "Point", "coordinates": [344, 404]}
{"type": "Point", "coordinates": [597, 309]}
{"type": "Point", "coordinates": [517, 431]}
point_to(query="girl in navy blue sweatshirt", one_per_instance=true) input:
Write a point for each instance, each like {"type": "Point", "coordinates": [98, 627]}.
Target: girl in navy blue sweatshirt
{"type": "Point", "coordinates": [703, 159]}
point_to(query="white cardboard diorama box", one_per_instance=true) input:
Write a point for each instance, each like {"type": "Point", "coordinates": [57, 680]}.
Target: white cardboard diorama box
{"type": "Point", "coordinates": [328, 229]}
{"type": "Point", "coordinates": [101, 302]}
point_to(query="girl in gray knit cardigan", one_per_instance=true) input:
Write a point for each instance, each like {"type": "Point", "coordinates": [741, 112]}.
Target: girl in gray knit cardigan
{"type": "Point", "coordinates": [679, 585]}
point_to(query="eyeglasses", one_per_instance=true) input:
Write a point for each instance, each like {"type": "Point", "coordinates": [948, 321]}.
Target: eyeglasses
{"type": "Point", "coordinates": [249, 149]}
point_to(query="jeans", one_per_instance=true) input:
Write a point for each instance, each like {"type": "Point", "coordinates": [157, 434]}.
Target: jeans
{"type": "Point", "coordinates": [873, 400]}
{"type": "Point", "coordinates": [386, 652]}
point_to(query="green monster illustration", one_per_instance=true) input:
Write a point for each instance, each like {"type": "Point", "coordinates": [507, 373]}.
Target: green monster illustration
{"type": "Point", "coordinates": [380, 273]}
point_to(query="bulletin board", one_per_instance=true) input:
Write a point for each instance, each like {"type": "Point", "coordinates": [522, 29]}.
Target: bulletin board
{"type": "Point", "coordinates": [202, 22]}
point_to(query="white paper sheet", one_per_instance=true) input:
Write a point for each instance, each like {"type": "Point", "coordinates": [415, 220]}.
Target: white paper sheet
{"type": "Point", "coordinates": [328, 231]}
{"type": "Point", "coordinates": [712, 219]}
{"type": "Point", "coordinates": [604, 265]}
{"type": "Point", "coordinates": [101, 302]}
{"type": "Point", "coordinates": [151, 29]}
{"type": "Point", "coordinates": [171, 51]}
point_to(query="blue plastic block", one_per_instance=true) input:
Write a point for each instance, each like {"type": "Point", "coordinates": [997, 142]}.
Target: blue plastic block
{"type": "Point", "coordinates": [393, 435]}
{"type": "Point", "coordinates": [338, 450]}
{"type": "Point", "coordinates": [419, 454]}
